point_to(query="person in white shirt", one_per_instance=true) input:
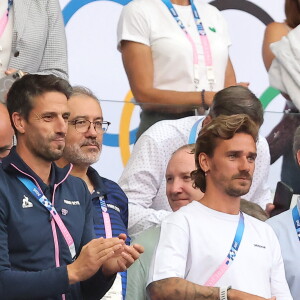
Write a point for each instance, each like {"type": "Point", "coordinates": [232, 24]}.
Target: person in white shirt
{"type": "Point", "coordinates": [180, 192]}
{"type": "Point", "coordinates": [173, 70]}
{"type": "Point", "coordinates": [286, 227]}
{"type": "Point", "coordinates": [209, 249]}
{"type": "Point", "coordinates": [143, 179]}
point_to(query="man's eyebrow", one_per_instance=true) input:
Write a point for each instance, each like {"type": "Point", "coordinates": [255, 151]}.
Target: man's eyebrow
{"type": "Point", "coordinates": [240, 152]}
{"type": "Point", "coordinates": [86, 117]}
{"type": "Point", "coordinates": [253, 154]}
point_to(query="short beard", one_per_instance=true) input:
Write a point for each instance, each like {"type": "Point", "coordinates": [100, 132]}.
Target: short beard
{"type": "Point", "coordinates": [74, 155]}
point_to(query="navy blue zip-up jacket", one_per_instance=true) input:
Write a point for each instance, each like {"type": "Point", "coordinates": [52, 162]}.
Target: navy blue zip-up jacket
{"type": "Point", "coordinates": [27, 255]}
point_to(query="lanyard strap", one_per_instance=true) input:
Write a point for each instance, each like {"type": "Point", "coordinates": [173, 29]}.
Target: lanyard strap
{"type": "Point", "coordinates": [4, 18]}
{"type": "Point", "coordinates": [48, 205]}
{"type": "Point", "coordinates": [215, 277]}
{"type": "Point", "coordinates": [193, 132]}
{"type": "Point", "coordinates": [296, 218]}
{"type": "Point", "coordinates": [106, 218]}
{"type": "Point", "coordinates": [204, 41]}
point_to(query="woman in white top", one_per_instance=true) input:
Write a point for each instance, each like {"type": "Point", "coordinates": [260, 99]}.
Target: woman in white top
{"type": "Point", "coordinates": [166, 63]}
{"type": "Point", "coordinates": [281, 137]}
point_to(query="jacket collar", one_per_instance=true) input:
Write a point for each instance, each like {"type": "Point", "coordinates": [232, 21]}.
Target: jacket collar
{"type": "Point", "coordinates": [97, 182]}
{"type": "Point", "coordinates": [56, 176]}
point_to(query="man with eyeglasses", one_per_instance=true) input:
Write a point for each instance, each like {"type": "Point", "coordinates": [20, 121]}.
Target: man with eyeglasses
{"type": "Point", "coordinates": [48, 248]}
{"type": "Point", "coordinates": [83, 148]}
{"type": "Point", "coordinates": [6, 132]}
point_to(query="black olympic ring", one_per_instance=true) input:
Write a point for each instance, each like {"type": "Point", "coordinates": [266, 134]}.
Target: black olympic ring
{"type": "Point", "coordinates": [245, 6]}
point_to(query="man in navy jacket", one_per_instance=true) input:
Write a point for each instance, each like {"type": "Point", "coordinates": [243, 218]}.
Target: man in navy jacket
{"type": "Point", "coordinates": [83, 148]}
{"type": "Point", "coordinates": [48, 251]}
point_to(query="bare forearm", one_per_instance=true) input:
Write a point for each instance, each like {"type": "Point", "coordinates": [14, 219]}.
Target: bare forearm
{"type": "Point", "coordinates": [178, 288]}
{"type": "Point", "coordinates": [168, 97]}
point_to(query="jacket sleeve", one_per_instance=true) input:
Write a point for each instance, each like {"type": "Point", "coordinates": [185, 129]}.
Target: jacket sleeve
{"type": "Point", "coordinates": [17, 284]}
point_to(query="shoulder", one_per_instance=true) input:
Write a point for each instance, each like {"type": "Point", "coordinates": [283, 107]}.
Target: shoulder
{"type": "Point", "coordinates": [262, 228]}
{"type": "Point", "coordinates": [277, 26]}
{"type": "Point", "coordinates": [280, 221]}
{"type": "Point", "coordinates": [275, 30]}
{"type": "Point", "coordinates": [164, 129]}
{"type": "Point", "coordinates": [207, 9]}
{"type": "Point", "coordinates": [183, 214]}
{"type": "Point", "coordinates": [111, 186]}
{"type": "Point", "coordinates": [139, 6]}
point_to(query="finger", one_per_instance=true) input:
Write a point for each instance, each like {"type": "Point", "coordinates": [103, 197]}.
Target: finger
{"type": "Point", "coordinates": [105, 258]}
{"type": "Point", "coordinates": [107, 253]}
{"type": "Point", "coordinates": [138, 248]}
{"type": "Point", "coordinates": [122, 264]}
{"type": "Point", "coordinates": [10, 71]}
{"type": "Point", "coordinates": [123, 236]}
{"type": "Point", "coordinates": [102, 243]}
{"type": "Point", "coordinates": [133, 251]}
{"type": "Point", "coordinates": [128, 259]}
{"type": "Point", "coordinates": [130, 254]}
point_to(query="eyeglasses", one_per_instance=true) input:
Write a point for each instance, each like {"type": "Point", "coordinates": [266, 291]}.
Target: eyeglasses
{"type": "Point", "coordinates": [83, 126]}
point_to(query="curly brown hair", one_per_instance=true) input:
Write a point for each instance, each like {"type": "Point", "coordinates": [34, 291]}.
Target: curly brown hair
{"type": "Point", "coordinates": [220, 128]}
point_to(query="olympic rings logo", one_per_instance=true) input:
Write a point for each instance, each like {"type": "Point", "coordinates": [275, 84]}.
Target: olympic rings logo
{"type": "Point", "coordinates": [126, 137]}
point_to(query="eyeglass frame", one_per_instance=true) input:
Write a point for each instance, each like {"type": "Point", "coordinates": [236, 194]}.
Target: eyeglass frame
{"type": "Point", "coordinates": [74, 122]}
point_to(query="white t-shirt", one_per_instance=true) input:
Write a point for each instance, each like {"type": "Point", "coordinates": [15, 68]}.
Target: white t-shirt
{"type": "Point", "coordinates": [197, 239]}
{"type": "Point", "coordinates": [149, 22]}
{"type": "Point", "coordinates": [143, 178]}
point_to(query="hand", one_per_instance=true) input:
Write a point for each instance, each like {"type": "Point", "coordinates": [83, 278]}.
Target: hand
{"type": "Point", "coordinates": [269, 208]}
{"type": "Point", "coordinates": [10, 71]}
{"type": "Point", "coordinates": [92, 257]}
{"type": "Point", "coordinates": [122, 259]}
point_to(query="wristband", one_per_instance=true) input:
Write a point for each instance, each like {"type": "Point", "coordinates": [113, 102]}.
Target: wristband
{"type": "Point", "coordinates": [204, 105]}
{"type": "Point", "coordinates": [223, 292]}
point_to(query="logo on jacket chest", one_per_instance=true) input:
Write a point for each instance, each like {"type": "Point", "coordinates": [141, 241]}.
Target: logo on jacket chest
{"type": "Point", "coordinates": [26, 203]}
{"type": "Point", "coordinates": [71, 202]}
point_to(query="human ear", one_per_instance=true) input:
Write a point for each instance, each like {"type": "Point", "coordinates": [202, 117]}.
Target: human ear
{"type": "Point", "coordinates": [18, 122]}
{"type": "Point", "coordinates": [203, 160]}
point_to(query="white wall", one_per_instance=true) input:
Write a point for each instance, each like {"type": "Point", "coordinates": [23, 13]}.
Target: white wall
{"type": "Point", "coordinates": [95, 62]}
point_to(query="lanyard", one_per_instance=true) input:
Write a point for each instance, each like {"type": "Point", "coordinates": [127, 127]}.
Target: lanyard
{"type": "Point", "coordinates": [46, 203]}
{"type": "Point", "coordinates": [106, 218]}
{"type": "Point", "coordinates": [193, 133]}
{"type": "Point", "coordinates": [214, 278]}
{"type": "Point", "coordinates": [296, 219]}
{"type": "Point", "coordinates": [4, 18]}
{"type": "Point", "coordinates": [204, 41]}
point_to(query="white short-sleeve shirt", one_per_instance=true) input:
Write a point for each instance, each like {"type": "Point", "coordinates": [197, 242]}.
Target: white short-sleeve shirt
{"type": "Point", "coordinates": [149, 22]}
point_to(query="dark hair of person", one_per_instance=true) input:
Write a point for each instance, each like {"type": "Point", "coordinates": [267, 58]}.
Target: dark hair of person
{"type": "Point", "coordinates": [220, 128]}
{"type": "Point", "coordinates": [237, 100]}
{"type": "Point", "coordinates": [20, 97]}
{"type": "Point", "coordinates": [83, 91]}
{"type": "Point", "coordinates": [296, 144]}
{"type": "Point", "coordinates": [292, 12]}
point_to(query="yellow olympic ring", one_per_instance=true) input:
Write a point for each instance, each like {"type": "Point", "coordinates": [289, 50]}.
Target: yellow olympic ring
{"type": "Point", "coordinates": [124, 142]}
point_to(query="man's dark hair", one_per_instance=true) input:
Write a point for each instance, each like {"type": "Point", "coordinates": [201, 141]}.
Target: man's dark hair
{"type": "Point", "coordinates": [220, 128]}
{"type": "Point", "coordinates": [21, 95]}
{"type": "Point", "coordinates": [237, 100]}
